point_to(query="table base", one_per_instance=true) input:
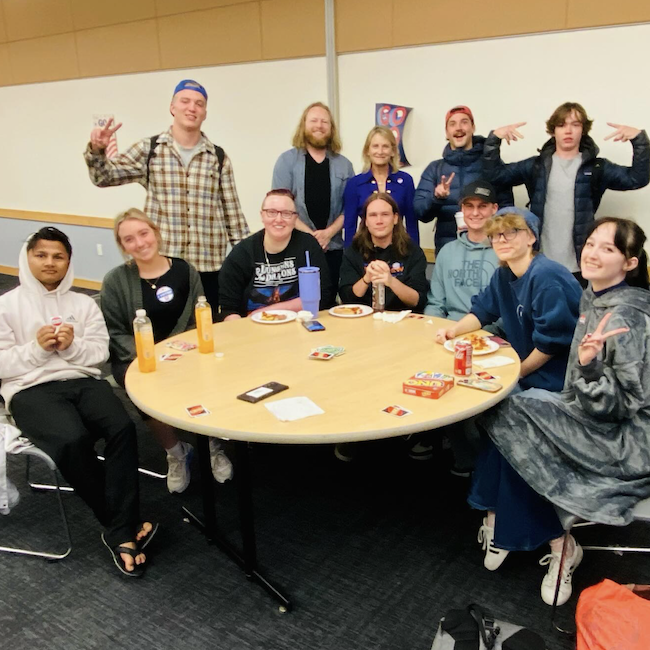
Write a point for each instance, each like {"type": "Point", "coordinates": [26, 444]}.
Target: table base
{"type": "Point", "coordinates": [247, 558]}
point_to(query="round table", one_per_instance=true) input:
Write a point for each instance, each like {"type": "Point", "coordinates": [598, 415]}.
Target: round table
{"type": "Point", "coordinates": [352, 389]}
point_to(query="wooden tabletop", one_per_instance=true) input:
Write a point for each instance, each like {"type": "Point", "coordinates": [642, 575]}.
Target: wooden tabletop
{"type": "Point", "coordinates": [352, 389]}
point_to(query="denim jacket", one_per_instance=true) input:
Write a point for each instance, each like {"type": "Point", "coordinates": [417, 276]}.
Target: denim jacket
{"type": "Point", "coordinates": [289, 173]}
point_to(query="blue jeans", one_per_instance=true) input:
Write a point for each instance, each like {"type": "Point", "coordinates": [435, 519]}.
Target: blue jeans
{"type": "Point", "coordinates": [524, 519]}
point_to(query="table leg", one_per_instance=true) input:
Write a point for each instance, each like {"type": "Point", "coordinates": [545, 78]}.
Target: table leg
{"type": "Point", "coordinates": [247, 560]}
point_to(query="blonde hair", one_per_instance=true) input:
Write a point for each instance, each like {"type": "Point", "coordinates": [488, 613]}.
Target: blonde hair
{"type": "Point", "coordinates": [386, 133]}
{"type": "Point", "coordinates": [133, 214]}
{"type": "Point", "coordinates": [507, 222]}
{"type": "Point", "coordinates": [300, 141]}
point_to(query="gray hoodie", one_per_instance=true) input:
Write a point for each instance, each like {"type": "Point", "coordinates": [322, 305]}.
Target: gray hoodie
{"type": "Point", "coordinates": [463, 268]}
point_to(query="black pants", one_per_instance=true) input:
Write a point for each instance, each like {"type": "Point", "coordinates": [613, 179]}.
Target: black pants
{"type": "Point", "coordinates": [210, 282]}
{"type": "Point", "coordinates": [65, 419]}
{"type": "Point", "coordinates": [334, 261]}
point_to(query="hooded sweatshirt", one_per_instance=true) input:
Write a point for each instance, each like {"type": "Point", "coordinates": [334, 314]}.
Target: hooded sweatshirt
{"type": "Point", "coordinates": [463, 269]}
{"type": "Point", "coordinates": [30, 306]}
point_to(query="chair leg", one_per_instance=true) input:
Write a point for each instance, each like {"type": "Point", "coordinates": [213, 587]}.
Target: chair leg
{"type": "Point", "coordinates": [565, 545]}
{"type": "Point", "coordinates": [64, 519]}
{"type": "Point", "coordinates": [44, 487]}
{"type": "Point", "coordinates": [142, 470]}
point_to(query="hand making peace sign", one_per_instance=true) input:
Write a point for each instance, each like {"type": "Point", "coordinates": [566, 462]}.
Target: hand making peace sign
{"type": "Point", "coordinates": [593, 342]}
{"type": "Point", "coordinates": [623, 133]}
{"type": "Point", "coordinates": [100, 137]}
{"type": "Point", "coordinates": [442, 188]}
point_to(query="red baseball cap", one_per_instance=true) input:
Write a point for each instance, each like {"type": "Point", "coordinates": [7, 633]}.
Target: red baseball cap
{"type": "Point", "coordinates": [459, 109]}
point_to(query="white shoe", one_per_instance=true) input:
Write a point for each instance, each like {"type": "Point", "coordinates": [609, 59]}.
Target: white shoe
{"type": "Point", "coordinates": [550, 579]}
{"type": "Point", "coordinates": [494, 556]}
{"type": "Point", "coordinates": [178, 469]}
{"type": "Point", "coordinates": [220, 463]}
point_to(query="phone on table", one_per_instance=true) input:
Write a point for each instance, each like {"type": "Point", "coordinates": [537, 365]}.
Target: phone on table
{"type": "Point", "coordinates": [313, 325]}
{"type": "Point", "coordinates": [262, 392]}
{"type": "Point", "coordinates": [480, 384]}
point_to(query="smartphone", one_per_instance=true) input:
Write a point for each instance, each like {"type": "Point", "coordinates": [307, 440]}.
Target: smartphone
{"type": "Point", "coordinates": [262, 392]}
{"type": "Point", "coordinates": [480, 384]}
{"type": "Point", "coordinates": [502, 343]}
{"type": "Point", "coordinates": [313, 325]}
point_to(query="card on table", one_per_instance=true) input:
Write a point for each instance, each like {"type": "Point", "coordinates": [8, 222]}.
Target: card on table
{"type": "Point", "coordinates": [174, 356]}
{"type": "Point", "coordinates": [481, 374]}
{"type": "Point", "coordinates": [323, 356]}
{"type": "Point", "coordinates": [183, 346]}
{"type": "Point", "coordinates": [397, 411]}
{"type": "Point", "coordinates": [197, 411]}
{"type": "Point", "coordinates": [502, 343]}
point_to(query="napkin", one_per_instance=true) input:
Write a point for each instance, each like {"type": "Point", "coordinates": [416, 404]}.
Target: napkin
{"type": "Point", "coordinates": [293, 408]}
{"type": "Point", "coordinates": [494, 362]}
{"type": "Point", "coordinates": [391, 316]}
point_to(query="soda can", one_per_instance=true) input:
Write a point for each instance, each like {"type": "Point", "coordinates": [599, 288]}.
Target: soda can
{"type": "Point", "coordinates": [463, 358]}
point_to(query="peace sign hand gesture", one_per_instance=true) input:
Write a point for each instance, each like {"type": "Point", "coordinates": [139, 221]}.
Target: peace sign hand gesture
{"type": "Point", "coordinates": [442, 188]}
{"type": "Point", "coordinates": [623, 133]}
{"type": "Point", "coordinates": [510, 133]}
{"type": "Point", "coordinates": [593, 342]}
{"type": "Point", "coordinates": [100, 137]}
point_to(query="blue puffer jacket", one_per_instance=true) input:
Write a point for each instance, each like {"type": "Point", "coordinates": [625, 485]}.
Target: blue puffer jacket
{"type": "Point", "coordinates": [467, 164]}
{"type": "Point", "coordinates": [534, 172]}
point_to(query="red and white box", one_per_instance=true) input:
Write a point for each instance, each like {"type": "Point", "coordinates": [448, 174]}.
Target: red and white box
{"type": "Point", "coordinates": [428, 384]}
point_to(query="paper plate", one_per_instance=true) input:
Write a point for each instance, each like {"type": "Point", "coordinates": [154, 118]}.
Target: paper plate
{"type": "Point", "coordinates": [341, 311]}
{"type": "Point", "coordinates": [280, 316]}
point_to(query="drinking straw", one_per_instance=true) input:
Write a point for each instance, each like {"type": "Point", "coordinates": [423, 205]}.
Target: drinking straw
{"type": "Point", "coordinates": [307, 257]}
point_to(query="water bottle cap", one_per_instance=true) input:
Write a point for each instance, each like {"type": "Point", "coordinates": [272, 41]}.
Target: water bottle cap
{"type": "Point", "coordinates": [140, 313]}
{"type": "Point", "coordinates": [202, 299]}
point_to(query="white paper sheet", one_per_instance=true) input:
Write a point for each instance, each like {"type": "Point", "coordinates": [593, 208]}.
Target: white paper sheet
{"type": "Point", "coordinates": [293, 408]}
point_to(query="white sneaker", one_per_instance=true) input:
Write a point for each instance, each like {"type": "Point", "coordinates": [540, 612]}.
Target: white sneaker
{"type": "Point", "coordinates": [178, 469]}
{"type": "Point", "coordinates": [550, 579]}
{"type": "Point", "coordinates": [220, 463]}
{"type": "Point", "coordinates": [494, 556]}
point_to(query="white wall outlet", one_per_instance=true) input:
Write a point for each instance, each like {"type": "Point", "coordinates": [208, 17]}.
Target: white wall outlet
{"type": "Point", "coordinates": [100, 250]}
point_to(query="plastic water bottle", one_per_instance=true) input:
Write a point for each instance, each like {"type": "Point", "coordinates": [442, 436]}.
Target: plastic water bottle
{"type": "Point", "coordinates": [203, 317]}
{"type": "Point", "coordinates": [144, 344]}
{"type": "Point", "coordinates": [378, 296]}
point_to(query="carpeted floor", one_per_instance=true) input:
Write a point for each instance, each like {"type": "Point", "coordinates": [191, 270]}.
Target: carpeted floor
{"type": "Point", "coordinates": [372, 553]}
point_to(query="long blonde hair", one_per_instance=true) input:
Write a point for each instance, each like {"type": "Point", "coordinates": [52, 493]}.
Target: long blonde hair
{"type": "Point", "coordinates": [300, 141]}
{"type": "Point", "coordinates": [133, 214]}
{"type": "Point", "coordinates": [386, 133]}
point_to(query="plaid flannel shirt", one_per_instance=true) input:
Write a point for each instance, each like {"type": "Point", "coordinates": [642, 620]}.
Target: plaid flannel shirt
{"type": "Point", "coordinates": [197, 212]}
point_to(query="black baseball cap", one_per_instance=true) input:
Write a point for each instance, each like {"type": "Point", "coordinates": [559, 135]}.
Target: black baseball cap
{"type": "Point", "coordinates": [478, 190]}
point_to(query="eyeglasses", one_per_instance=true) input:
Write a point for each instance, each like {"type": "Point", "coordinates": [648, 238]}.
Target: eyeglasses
{"type": "Point", "coordinates": [285, 214]}
{"type": "Point", "coordinates": [508, 235]}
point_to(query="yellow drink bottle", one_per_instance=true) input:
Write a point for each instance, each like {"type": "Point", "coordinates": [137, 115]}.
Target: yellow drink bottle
{"type": "Point", "coordinates": [203, 317]}
{"type": "Point", "coordinates": [144, 345]}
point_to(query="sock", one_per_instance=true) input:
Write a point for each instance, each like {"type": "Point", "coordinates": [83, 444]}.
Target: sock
{"type": "Point", "coordinates": [177, 451]}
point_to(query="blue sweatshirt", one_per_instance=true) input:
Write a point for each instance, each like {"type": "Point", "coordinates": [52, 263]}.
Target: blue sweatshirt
{"type": "Point", "coordinates": [539, 310]}
{"type": "Point", "coordinates": [463, 268]}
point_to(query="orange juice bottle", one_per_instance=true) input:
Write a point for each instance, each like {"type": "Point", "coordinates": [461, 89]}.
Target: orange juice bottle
{"type": "Point", "coordinates": [203, 317]}
{"type": "Point", "coordinates": [143, 332]}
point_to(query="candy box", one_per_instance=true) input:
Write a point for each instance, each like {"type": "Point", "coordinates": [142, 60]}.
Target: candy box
{"type": "Point", "coordinates": [428, 384]}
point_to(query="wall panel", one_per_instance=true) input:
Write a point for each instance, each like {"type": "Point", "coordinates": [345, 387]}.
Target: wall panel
{"type": "Point", "coordinates": [170, 7]}
{"type": "Point", "coordinates": [132, 47]}
{"type": "Point", "coordinates": [6, 78]}
{"type": "Point", "coordinates": [44, 59]}
{"type": "Point", "coordinates": [87, 14]}
{"type": "Point", "coordinates": [363, 25]}
{"type": "Point", "coordinates": [592, 13]}
{"type": "Point", "coordinates": [34, 18]}
{"type": "Point", "coordinates": [291, 29]}
{"type": "Point", "coordinates": [226, 35]}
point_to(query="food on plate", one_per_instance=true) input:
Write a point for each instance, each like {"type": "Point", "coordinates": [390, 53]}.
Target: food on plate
{"type": "Point", "coordinates": [272, 316]}
{"type": "Point", "coordinates": [479, 343]}
{"type": "Point", "coordinates": [348, 310]}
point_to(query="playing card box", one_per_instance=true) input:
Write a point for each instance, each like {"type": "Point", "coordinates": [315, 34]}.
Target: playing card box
{"type": "Point", "coordinates": [428, 384]}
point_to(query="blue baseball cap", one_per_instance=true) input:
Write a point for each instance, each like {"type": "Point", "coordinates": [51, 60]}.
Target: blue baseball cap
{"type": "Point", "coordinates": [190, 84]}
{"type": "Point", "coordinates": [532, 221]}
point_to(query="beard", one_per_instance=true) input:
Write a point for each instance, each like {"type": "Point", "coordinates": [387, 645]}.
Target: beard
{"type": "Point", "coordinates": [317, 142]}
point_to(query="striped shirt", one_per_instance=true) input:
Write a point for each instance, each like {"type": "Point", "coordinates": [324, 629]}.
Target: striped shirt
{"type": "Point", "coordinates": [197, 211]}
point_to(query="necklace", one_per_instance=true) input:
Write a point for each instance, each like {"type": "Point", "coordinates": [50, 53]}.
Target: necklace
{"type": "Point", "coordinates": [153, 283]}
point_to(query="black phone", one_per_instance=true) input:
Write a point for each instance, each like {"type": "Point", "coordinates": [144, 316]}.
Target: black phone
{"type": "Point", "coordinates": [313, 325]}
{"type": "Point", "coordinates": [262, 392]}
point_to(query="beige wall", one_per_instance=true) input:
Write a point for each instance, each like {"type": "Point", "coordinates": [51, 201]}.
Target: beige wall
{"type": "Point", "coordinates": [49, 40]}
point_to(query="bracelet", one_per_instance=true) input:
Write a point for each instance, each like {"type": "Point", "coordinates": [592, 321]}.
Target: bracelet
{"type": "Point", "coordinates": [364, 281]}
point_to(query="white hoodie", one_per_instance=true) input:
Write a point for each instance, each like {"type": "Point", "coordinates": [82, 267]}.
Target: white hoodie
{"type": "Point", "coordinates": [23, 311]}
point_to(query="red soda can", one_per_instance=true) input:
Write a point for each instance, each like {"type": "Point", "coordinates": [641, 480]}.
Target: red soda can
{"type": "Point", "coordinates": [463, 358]}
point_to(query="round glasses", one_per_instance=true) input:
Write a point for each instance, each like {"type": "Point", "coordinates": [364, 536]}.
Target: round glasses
{"type": "Point", "coordinates": [508, 235]}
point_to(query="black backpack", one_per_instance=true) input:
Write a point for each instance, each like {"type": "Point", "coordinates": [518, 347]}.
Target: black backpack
{"type": "Point", "coordinates": [153, 143]}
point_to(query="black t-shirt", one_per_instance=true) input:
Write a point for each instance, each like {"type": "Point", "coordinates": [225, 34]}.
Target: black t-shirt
{"type": "Point", "coordinates": [250, 278]}
{"type": "Point", "coordinates": [317, 191]}
{"type": "Point", "coordinates": [166, 302]}
{"type": "Point", "coordinates": [410, 270]}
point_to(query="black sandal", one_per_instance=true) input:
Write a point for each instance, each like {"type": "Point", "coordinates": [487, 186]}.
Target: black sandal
{"type": "Point", "coordinates": [138, 569]}
{"type": "Point", "coordinates": [145, 541]}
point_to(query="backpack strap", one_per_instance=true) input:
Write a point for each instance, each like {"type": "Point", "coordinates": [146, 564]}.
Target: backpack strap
{"type": "Point", "coordinates": [153, 143]}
